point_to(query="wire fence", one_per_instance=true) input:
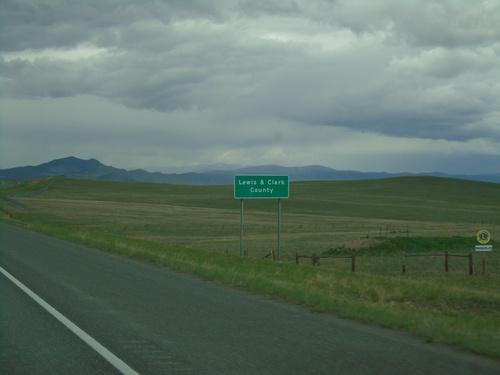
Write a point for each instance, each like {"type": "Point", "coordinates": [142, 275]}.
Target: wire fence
{"type": "Point", "coordinates": [472, 263]}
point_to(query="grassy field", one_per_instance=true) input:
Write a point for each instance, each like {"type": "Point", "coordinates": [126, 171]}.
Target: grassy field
{"type": "Point", "coordinates": [197, 229]}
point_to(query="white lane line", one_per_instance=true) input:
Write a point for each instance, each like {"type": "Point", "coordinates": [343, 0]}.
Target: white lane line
{"type": "Point", "coordinates": [105, 353]}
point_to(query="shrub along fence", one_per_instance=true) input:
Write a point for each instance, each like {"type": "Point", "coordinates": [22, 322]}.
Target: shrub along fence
{"type": "Point", "coordinates": [446, 257]}
{"type": "Point", "coordinates": [315, 259]}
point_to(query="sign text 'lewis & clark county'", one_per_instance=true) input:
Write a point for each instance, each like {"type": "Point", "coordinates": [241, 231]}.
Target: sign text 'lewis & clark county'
{"type": "Point", "coordinates": [261, 187]}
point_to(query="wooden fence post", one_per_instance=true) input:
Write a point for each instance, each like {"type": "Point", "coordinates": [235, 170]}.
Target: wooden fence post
{"type": "Point", "coordinates": [471, 268]}
{"type": "Point", "coordinates": [315, 260]}
{"type": "Point", "coordinates": [404, 263]}
{"type": "Point", "coordinates": [353, 263]}
{"type": "Point", "coordinates": [446, 261]}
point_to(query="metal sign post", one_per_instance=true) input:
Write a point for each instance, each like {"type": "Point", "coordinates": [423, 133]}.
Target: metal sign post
{"type": "Point", "coordinates": [279, 230]}
{"type": "Point", "coordinates": [241, 227]}
{"type": "Point", "coordinates": [261, 187]}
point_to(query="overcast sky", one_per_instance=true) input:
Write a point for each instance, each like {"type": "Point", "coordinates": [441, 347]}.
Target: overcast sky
{"type": "Point", "coordinates": [369, 85]}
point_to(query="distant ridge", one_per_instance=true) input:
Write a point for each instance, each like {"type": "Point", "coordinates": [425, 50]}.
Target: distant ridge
{"type": "Point", "coordinates": [93, 169]}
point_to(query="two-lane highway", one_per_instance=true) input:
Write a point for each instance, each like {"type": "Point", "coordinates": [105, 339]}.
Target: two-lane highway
{"type": "Point", "coordinates": [158, 321]}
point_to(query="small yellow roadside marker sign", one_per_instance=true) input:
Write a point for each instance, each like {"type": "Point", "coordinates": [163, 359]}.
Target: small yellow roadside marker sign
{"type": "Point", "coordinates": [483, 236]}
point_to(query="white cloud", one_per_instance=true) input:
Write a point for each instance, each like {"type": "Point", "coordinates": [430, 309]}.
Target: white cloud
{"type": "Point", "coordinates": [443, 63]}
{"type": "Point", "coordinates": [80, 52]}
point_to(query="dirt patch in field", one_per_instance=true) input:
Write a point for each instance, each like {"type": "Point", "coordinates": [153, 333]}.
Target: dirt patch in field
{"type": "Point", "coordinates": [176, 240]}
{"type": "Point", "coordinates": [362, 243]}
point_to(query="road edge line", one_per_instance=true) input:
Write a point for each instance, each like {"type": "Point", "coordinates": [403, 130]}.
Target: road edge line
{"type": "Point", "coordinates": [100, 349]}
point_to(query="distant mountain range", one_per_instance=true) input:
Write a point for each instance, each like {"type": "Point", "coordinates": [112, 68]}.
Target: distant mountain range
{"type": "Point", "coordinates": [93, 169]}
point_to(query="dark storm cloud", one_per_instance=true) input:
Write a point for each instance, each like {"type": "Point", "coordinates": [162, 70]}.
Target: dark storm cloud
{"type": "Point", "coordinates": [277, 72]}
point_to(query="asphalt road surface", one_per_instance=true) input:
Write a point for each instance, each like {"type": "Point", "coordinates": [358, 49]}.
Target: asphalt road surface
{"type": "Point", "coordinates": [156, 321]}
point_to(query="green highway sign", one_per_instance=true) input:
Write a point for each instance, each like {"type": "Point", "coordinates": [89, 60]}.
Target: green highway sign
{"type": "Point", "coordinates": [261, 187]}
